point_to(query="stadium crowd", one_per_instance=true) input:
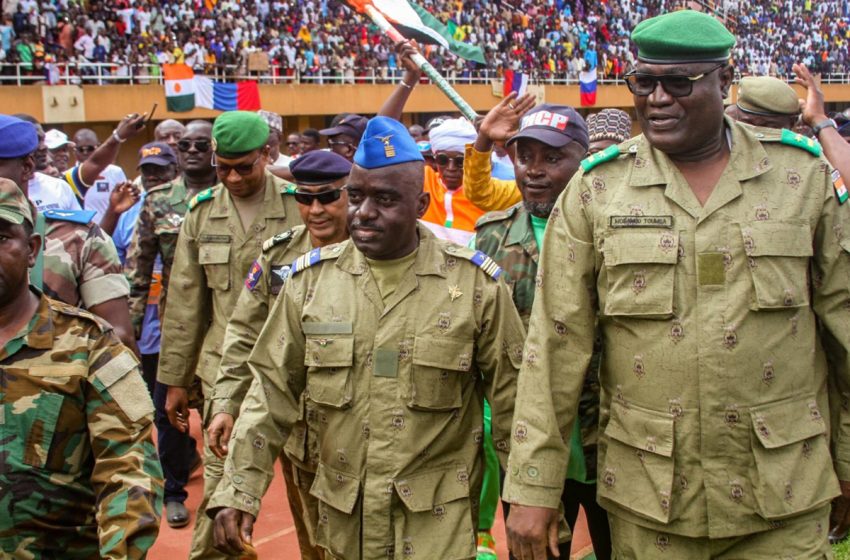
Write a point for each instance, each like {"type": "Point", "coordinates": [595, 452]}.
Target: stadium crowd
{"type": "Point", "coordinates": [323, 39]}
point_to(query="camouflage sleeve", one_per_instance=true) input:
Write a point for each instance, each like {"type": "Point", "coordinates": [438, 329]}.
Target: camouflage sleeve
{"type": "Point", "coordinates": [498, 358]}
{"type": "Point", "coordinates": [270, 408]}
{"type": "Point", "coordinates": [126, 476]}
{"type": "Point", "coordinates": [141, 256]}
{"type": "Point", "coordinates": [101, 275]}
{"type": "Point", "coordinates": [188, 311]}
{"type": "Point", "coordinates": [234, 378]}
{"type": "Point", "coordinates": [556, 356]}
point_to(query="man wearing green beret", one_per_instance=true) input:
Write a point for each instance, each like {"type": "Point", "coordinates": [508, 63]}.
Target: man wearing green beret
{"type": "Point", "coordinates": [714, 257]}
{"type": "Point", "coordinates": [221, 235]}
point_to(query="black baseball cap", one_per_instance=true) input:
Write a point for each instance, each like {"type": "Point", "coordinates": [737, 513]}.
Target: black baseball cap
{"type": "Point", "coordinates": [555, 125]}
{"type": "Point", "coordinates": [352, 124]}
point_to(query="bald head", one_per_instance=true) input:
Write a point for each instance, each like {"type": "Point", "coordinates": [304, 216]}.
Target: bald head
{"type": "Point", "coordinates": [169, 131]}
{"type": "Point", "coordinates": [85, 143]}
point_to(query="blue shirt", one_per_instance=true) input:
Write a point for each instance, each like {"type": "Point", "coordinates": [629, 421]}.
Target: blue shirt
{"type": "Point", "coordinates": [149, 341]}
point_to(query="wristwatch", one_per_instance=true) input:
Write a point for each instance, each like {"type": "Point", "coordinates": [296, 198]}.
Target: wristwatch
{"type": "Point", "coordinates": [828, 123]}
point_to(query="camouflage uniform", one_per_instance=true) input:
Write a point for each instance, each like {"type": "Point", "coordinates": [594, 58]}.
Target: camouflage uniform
{"type": "Point", "coordinates": [507, 237]}
{"type": "Point", "coordinates": [235, 379]}
{"type": "Point", "coordinates": [714, 418]}
{"type": "Point", "coordinates": [81, 265]}
{"type": "Point", "coordinates": [156, 232]}
{"type": "Point", "coordinates": [212, 257]}
{"type": "Point", "coordinates": [392, 394]}
{"type": "Point", "coordinates": [79, 475]}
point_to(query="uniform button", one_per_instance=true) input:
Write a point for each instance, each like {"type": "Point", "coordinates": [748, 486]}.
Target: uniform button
{"type": "Point", "coordinates": [532, 472]}
{"type": "Point", "coordinates": [237, 479]}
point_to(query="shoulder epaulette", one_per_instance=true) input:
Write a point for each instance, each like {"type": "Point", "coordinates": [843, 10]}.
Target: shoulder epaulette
{"type": "Point", "coordinates": [799, 141]}
{"type": "Point", "coordinates": [278, 239]}
{"type": "Point", "coordinates": [66, 309]}
{"type": "Point", "coordinates": [203, 196]}
{"type": "Point", "coordinates": [478, 258]}
{"type": "Point", "coordinates": [314, 257]}
{"type": "Point", "coordinates": [609, 153]}
{"type": "Point", "coordinates": [495, 216]}
{"type": "Point", "coordinates": [75, 216]}
{"type": "Point", "coordinates": [287, 188]}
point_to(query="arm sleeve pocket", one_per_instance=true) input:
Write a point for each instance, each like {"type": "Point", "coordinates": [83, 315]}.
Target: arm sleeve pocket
{"type": "Point", "coordinates": [123, 382]}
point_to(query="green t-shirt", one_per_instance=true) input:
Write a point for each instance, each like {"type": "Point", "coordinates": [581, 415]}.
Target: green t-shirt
{"type": "Point", "coordinates": [576, 470]}
{"type": "Point", "coordinates": [388, 274]}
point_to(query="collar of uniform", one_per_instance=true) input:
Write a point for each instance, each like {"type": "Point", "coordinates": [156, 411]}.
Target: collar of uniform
{"type": "Point", "coordinates": [272, 200]}
{"type": "Point", "coordinates": [520, 231]}
{"type": "Point", "coordinates": [429, 259]}
{"type": "Point", "coordinates": [749, 158]}
{"type": "Point", "coordinates": [39, 331]}
{"type": "Point", "coordinates": [648, 164]}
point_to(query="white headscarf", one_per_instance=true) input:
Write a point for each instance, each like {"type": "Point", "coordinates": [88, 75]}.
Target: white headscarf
{"type": "Point", "coordinates": [452, 136]}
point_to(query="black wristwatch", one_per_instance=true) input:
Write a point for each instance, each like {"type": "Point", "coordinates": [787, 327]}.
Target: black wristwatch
{"type": "Point", "coordinates": [828, 123]}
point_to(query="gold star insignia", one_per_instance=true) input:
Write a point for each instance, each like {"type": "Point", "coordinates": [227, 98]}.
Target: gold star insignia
{"type": "Point", "coordinates": [454, 292]}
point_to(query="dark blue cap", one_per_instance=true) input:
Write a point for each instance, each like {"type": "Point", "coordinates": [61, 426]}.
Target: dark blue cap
{"type": "Point", "coordinates": [157, 153]}
{"type": "Point", "coordinates": [386, 142]}
{"type": "Point", "coordinates": [18, 138]}
{"type": "Point", "coordinates": [319, 167]}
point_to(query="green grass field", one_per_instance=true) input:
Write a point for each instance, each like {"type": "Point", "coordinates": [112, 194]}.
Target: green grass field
{"type": "Point", "coordinates": [842, 550]}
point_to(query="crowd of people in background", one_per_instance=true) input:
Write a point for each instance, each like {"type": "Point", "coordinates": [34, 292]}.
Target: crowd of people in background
{"type": "Point", "coordinates": [61, 40]}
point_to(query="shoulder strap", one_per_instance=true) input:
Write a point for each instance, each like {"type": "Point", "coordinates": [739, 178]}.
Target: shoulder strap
{"type": "Point", "coordinates": [609, 153]}
{"type": "Point", "coordinates": [75, 216]}
{"type": "Point", "coordinates": [37, 271]}
{"type": "Point", "coordinates": [271, 242]}
{"type": "Point", "coordinates": [478, 258]}
{"type": "Point", "coordinates": [314, 257]}
{"type": "Point", "coordinates": [799, 141]}
{"type": "Point", "coordinates": [203, 196]}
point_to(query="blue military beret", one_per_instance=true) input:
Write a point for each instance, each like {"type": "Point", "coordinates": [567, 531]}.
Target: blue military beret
{"type": "Point", "coordinates": [386, 142]}
{"type": "Point", "coordinates": [18, 138]}
{"type": "Point", "coordinates": [319, 167]}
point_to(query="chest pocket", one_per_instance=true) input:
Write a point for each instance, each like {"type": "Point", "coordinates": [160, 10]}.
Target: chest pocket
{"type": "Point", "coordinates": [437, 375]}
{"type": "Point", "coordinates": [329, 362]}
{"type": "Point", "coordinates": [640, 267]}
{"type": "Point", "coordinates": [215, 258]}
{"type": "Point", "coordinates": [778, 257]}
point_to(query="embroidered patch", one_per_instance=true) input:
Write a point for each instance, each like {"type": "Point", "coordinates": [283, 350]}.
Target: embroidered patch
{"type": "Point", "coordinates": [641, 222]}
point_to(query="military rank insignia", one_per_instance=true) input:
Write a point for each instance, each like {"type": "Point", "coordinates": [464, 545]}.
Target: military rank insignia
{"type": "Point", "coordinates": [254, 276]}
{"type": "Point", "coordinates": [389, 149]}
{"type": "Point", "coordinates": [840, 188]}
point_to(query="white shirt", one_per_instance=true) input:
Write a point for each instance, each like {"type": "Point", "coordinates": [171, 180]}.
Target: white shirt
{"type": "Point", "coordinates": [97, 196]}
{"type": "Point", "coordinates": [50, 193]}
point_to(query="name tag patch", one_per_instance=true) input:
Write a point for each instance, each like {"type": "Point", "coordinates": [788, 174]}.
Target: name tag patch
{"type": "Point", "coordinates": [641, 222]}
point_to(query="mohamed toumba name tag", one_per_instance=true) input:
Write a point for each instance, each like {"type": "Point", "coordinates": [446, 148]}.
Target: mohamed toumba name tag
{"type": "Point", "coordinates": [641, 222]}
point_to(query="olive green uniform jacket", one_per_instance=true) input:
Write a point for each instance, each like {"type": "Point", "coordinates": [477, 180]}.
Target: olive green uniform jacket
{"type": "Point", "coordinates": [392, 396]}
{"type": "Point", "coordinates": [714, 412]}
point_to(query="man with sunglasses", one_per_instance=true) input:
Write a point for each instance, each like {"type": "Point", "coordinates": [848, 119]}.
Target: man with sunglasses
{"type": "Point", "coordinates": [96, 193]}
{"type": "Point", "coordinates": [713, 256]}
{"type": "Point", "coordinates": [293, 145]}
{"type": "Point", "coordinates": [384, 346]}
{"type": "Point", "coordinates": [323, 203]}
{"type": "Point", "coordinates": [218, 242]}
{"type": "Point", "coordinates": [152, 247]}
{"type": "Point", "coordinates": [344, 137]}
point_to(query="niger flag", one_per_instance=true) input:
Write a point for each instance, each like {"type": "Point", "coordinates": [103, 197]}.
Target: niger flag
{"type": "Point", "coordinates": [179, 87]}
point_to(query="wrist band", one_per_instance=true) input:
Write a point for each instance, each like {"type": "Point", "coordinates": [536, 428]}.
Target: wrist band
{"type": "Point", "coordinates": [408, 86]}
{"type": "Point", "coordinates": [117, 138]}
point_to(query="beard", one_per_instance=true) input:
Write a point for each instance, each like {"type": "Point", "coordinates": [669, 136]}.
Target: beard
{"type": "Point", "coordinates": [539, 209]}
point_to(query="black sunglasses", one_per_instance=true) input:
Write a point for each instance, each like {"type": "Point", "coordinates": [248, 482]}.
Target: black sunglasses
{"type": "Point", "coordinates": [326, 197]}
{"type": "Point", "coordinates": [85, 149]}
{"type": "Point", "coordinates": [677, 85]}
{"type": "Point", "coordinates": [334, 143]}
{"type": "Point", "coordinates": [243, 169]}
{"type": "Point", "coordinates": [200, 145]}
{"type": "Point", "coordinates": [443, 160]}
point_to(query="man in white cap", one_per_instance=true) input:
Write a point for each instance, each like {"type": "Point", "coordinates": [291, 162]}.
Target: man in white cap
{"type": "Point", "coordinates": [59, 146]}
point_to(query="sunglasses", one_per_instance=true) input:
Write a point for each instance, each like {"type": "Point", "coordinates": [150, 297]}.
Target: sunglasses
{"type": "Point", "coordinates": [307, 198]}
{"type": "Point", "coordinates": [334, 143]}
{"type": "Point", "coordinates": [443, 160]}
{"type": "Point", "coordinates": [85, 149]}
{"type": "Point", "coordinates": [243, 169]}
{"type": "Point", "coordinates": [676, 85]}
{"type": "Point", "coordinates": [200, 145]}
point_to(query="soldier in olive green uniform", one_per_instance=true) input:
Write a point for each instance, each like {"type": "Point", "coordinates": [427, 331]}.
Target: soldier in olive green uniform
{"type": "Point", "coordinates": [219, 239]}
{"type": "Point", "coordinates": [712, 252]}
{"type": "Point", "coordinates": [323, 205]}
{"type": "Point", "coordinates": [79, 476]}
{"type": "Point", "coordinates": [386, 346]}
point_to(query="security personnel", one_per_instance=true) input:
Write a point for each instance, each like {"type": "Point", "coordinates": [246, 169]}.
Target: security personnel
{"type": "Point", "coordinates": [219, 239]}
{"type": "Point", "coordinates": [550, 143]}
{"type": "Point", "coordinates": [78, 470]}
{"type": "Point", "coordinates": [80, 265]}
{"type": "Point", "coordinates": [323, 204]}
{"type": "Point", "coordinates": [386, 345]}
{"type": "Point", "coordinates": [714, 256]}
{"type": "Point", "coordinates": [766, 101]}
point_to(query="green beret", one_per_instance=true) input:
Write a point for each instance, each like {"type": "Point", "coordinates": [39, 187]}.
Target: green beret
{"type": "Point", "coordinates": [763, 95]}
{"type": "Point", "coordinates": [239, 132]}
{"type": "Point", "coordinates": [683, 36]}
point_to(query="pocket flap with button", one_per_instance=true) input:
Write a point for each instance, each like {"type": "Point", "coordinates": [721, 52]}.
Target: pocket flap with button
{"type": "Point", "coordinates": [214, 253]}
{"type": "Point", "coordinates": [443, 353]}
{"type": "Point", "coordinates": [783, 423]}
{"type": "Point", "coordinates": [635, 247]}
{"type": "Point", "coordinates": [642, 429]}
{"type": "Point", "coordinates": [424, 491]}
{"type": "Point", "coordinates": [329, 352]}
{"type": "Point", "coordinates": [123, 381]}
{"type": "Point", "coordinates": [336, 488]}
{"type": "Point", "coordinates": [777, 239]}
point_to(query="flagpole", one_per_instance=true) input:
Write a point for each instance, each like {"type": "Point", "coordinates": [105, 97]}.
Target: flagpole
{"type": "Point", "coordinates": [423, 64]}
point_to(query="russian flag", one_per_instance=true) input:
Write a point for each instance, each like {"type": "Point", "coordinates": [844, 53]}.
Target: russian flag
{"type": "Point", "coordinates": [587, 87]}
{"type": "Point", "coordinates": [515, 81]}
{"type": "Point", "coordinates": [221, 96]}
